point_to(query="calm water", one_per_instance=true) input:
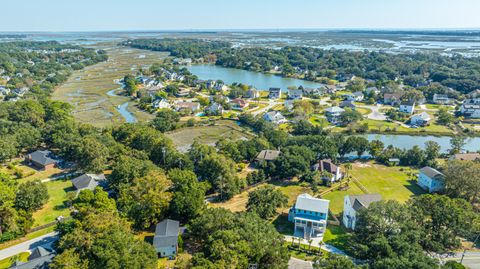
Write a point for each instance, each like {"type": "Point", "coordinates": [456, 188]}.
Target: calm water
{"type": "Point", "coordinates": [407, 141]}
{"type": "Point", "coordinates": [261, 81]}
{"type": "Point", "coordinates": [129, 117]}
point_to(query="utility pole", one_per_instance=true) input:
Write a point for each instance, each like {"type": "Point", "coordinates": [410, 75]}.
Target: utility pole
{"type": "Point", "coordinates": [464, 250]}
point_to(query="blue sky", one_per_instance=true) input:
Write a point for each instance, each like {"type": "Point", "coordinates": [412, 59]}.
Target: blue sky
{"type": "Point", "coordinates": [86, 15]}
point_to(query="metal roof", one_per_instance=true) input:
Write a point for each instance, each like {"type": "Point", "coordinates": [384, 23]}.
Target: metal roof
{"type": "Point", "coordinates": [307, 202]}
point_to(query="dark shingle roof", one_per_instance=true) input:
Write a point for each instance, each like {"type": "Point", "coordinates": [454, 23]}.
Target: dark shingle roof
{"type": "Point", "coordinates": [363, 201]}
{"type": "Point", "coordinates": [39, 259]}
{"type": "Point", "coordinates": [166, 233]}
{"type": "Point", "coordinates": [327, 165]}
{"type": "Point", "coordinates": [88, 181]}
{"type": "Point", "coordinates": [42, 157]}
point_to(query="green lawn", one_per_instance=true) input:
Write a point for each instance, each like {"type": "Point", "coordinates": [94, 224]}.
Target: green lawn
{"type": "Point", "coordinates": [336, 198]}
{"type": "Point", "coordinates": [338, 236]}
{"type": "Point", "coordinates": [6, 263]}
{"type": "Point", "coordinates": [57, 189]}
{"type": "Point", "coordinates": [391, 182]}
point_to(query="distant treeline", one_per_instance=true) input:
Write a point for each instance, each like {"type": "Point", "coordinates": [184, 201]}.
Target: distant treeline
{"type": "Point", "coordinates": [458, 72]}
{"type": "Point", "coordinates": [12, 36]}
{"type": "Point", "coordinates": [184, 48]}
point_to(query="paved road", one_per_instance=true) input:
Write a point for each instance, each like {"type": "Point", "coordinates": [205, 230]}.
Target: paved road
{"type": "Point", "coordinates": [44, 241]}
{"type": "Point", "coordinates": [271, 103]}
{"type": "Point", "coordinates": [376, 114]}
{"type": "Point", "coordinates": [471, 259]}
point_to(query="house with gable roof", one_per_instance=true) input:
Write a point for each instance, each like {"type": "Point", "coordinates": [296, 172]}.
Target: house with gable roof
{"type": "Point", "coordinates": [309, 214]}
{"type": "Point", "coordinates": [352, 204]}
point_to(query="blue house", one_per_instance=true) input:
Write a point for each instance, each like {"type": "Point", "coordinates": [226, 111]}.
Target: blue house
{"type": "Point", "coordinates": [310, 216]}
{"type": "Point", "coordinates": [431, 179]}
{"type": "Point", "coordinates": [165, 240]}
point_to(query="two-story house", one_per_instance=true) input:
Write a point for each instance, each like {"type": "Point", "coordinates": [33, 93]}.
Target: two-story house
{"type": "Point", "coordinates": [431, 179]}
{"type": "Point", "coordinates": [310, 216]}
{"type": "Point", "coordinates": [471, 108]}
{"type": "Point", "coordinates": [421, 119]}
{"type": "Point", "coordinates": [407, 107]}
{"type": "Point", "coordinates": [333, 114]}
{"type": "Point", "coordinates": [330, 172]}
{"type": "Point", "coordinates": [165, 240]}
{"type": "Point", "coordinates": [295, 94]}
{"type": "Point", "coordinates": [274, 93]}
{"type": "Point", "coordinates": [352, 204]}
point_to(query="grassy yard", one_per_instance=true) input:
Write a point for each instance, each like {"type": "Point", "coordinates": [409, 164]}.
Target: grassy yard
{"type": "Point", "coordinates": [393, 183]}
{"type": "Point", "coordinates": [183, 138]}
{"type": "Point", "coordinates": [6, 263]}
{"type": "Point", "coordinates": [57, 189]}
{"type": "Point", "coordinates": [336, 198]}
{"type": "Point", "coordinates": [338, 236]}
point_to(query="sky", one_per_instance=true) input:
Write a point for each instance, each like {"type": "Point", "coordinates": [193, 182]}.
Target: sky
{"type": "Point", "coordinates": [118, 15]}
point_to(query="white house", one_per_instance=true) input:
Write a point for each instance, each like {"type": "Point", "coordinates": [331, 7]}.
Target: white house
{"type": "Point", "coordinates": [407, 107]}
{"type": "Point", "coordinates": [354, 203]}
{"type": "Point", "coordinates": [253, 93]}
{"type": "Point", "coordinates": [333, 114]}
{"type": "Point", "coordinates": [310, 216]}
{"type": "Point", "coordinates": [295, 94]}
{"type": "Point", "coordinates": [442, 99]}
{"type": "Point", "coordinates": [274, 93]}
{"type": "Point", "coordinates": [288, 104]}
{"type": "Point", "coordinates": [356, 96]}
{"type": "Point", "coordinates": [471, 108]}
{"type": "Point", "coordinates": [187, 106]}
{"type": "Point", "coordinates": [421, 119]}
{"type": "Point", "coordinates": [430, 179]}
{"type": "Point", "coordinates": [216, 108]}
{"type": "Point", "coordinates": [161, 103]}
{"type": "Point", "coordinates": [329, 168]}
{"type": "Point", "coordinates": [274, 117]}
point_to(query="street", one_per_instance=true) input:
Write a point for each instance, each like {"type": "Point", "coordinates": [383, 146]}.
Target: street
{"type": "Point", "coordinates": [44, 241]}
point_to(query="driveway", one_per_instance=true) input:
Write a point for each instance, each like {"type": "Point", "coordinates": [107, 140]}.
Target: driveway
{"type": "Point", "coordinates": [27, 246]}
{"type": "Point", "coordinates": [295, 263]}
{"type": "Point", "coordinates": [317, 242]}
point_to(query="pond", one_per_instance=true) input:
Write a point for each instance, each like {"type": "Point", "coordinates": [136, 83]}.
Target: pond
{"type": "Point", "coordinates": [408, 141]}
{"type": "Point", "coordinates": [259, 80]}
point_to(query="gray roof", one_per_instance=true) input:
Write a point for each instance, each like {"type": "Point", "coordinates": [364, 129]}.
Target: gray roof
{"type": "Point", "coordinates": [88, 181]}
{"type": "Point", "coordinates": [347, 103]}
{"type": "Point", "coordinates": [166, 233]}
{"type": "Point", "coordinates": [39, 259]}
{"type": "Point", "coordinates": [334, 109]}
{"type": "Point", "coordinates": [42, 157]}
{"type": "Point", "coordinates": [267, 155]}
{"type": "Point", "coordinates": [431, 172]}
{"type": "Point", "coordinates": [363, 201]}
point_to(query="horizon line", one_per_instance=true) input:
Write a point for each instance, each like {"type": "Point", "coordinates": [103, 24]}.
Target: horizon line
{"type": "Point", "coordinates": [443, 29]}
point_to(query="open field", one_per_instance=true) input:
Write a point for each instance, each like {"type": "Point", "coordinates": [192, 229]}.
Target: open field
{"type": "Point", "coordinates": [87, 89]}
{"type": "Point", "coordinates": [183, 138]}
{"type": "Point", "coordinates": [336, 197]}
{"type": "Point", "coordinates": [391, 182]}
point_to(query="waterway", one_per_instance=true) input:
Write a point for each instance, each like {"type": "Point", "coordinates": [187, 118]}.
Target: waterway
{"type": "Point", "coordinates": [259, 80]}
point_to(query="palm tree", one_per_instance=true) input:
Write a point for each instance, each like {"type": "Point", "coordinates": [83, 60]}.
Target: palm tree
{"type": "Point", "coordinates": [348, 168]}
{"type": "Point", "coordinates": [310, 244]}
